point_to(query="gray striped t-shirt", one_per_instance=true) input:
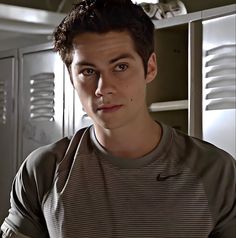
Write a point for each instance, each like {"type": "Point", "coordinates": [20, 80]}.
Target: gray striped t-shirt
{"type": "Point", "coordinates": [75, 189]}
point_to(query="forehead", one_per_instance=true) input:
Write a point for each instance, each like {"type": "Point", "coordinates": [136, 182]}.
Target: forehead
{"type": "Point", "coordinates": [100, 43]}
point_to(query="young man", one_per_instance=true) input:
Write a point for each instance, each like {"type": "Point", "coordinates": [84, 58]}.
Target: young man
{"type": "Point", "coordinates": [127, 175]}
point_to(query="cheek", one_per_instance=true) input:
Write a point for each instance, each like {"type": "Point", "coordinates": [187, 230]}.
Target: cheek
{"type": "Point", "coordinates": [135, 92]}
{"type": "Point", "coordinates": [84, 89]}
{"type": "Point", "coordinates": [83, 92]}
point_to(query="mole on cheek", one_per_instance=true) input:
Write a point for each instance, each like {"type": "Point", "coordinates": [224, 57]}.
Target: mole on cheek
{"type": "Point", "coordinates": [131, 99]}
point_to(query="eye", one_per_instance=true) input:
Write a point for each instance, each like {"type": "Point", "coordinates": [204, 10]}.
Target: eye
{"type": "Point", "coordinates": [120, 67]}
{"type": "Point", "coordinates": [88, 72]}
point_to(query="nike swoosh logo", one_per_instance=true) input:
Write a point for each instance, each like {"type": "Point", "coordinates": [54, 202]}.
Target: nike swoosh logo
{"type": "Point", "coordinates": [163, 178]}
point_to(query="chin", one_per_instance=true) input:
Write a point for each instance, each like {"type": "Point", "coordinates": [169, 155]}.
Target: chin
{"type": "Point", "coordinates": [109, 125]}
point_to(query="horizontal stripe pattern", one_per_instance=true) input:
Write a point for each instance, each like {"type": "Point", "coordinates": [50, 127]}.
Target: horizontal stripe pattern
{"type": "Point", "coordinates": [100, 199]}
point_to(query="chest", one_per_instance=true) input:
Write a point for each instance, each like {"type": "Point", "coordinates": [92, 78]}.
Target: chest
{"type": "Point", "coordinates": [102, 202]}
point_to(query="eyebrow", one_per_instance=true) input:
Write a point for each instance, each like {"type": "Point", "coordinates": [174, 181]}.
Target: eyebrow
{"type": "Point", "coordinates": [85, 63]}
{"type": "Point", "coordinates": [112, 61]}
{"type": "Point", "coordinates": [122, 56]}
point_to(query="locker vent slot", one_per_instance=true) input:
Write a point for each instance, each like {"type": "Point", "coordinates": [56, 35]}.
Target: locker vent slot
{"type": "Point", "coordinates": [3, 103]}
{"type": "Point", "coordinates": [42, 97]}
{"type": "Point", "coordinates": [220, 77]}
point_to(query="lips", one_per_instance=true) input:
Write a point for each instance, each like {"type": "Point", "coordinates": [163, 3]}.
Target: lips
{"type": "Point", "coordinates": [109, 108]}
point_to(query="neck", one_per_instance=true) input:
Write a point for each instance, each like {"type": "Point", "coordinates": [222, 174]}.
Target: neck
{"type": "Point", "coordinates": [131, 141]}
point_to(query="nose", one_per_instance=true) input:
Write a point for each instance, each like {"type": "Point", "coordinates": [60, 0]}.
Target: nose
{"type": "Point", "coordinates": [105, 85]}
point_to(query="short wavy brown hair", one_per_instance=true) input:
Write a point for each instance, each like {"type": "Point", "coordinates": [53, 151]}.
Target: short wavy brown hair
{"type": "Point", "coordinates": [101, 16]}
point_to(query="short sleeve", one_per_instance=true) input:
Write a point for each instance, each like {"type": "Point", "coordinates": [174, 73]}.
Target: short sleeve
{"type": "Point", "coordinates": [226, 221]}
{"type": "Point", "coordinates": [31, 182]}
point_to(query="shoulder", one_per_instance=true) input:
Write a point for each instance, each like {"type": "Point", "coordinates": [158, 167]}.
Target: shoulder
{"type": "Point", "coordinates": [212, 166]}
{"type": "Point", "coordinates": [46, 157]}
{"type": "Point", "coordinates": [33, 182]}
{"type": "Point", "coordinates": [215, 170]}
{"type": "Point", "coordinates": [40, 166]}
{"type": "Point", "coordinates": [50, 155]}
{"type": "Point", "coordinates": [36, 173]}
{"type": "Point", "coordinates": [199, 154]}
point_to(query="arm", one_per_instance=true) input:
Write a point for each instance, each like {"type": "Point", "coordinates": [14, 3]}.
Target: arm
{"type": "Point", "coordinates": [25, 215]}
{"type": "Point", "coordinates": [7, 233]}
{"type": "Point", "coordinates": [32, 182]}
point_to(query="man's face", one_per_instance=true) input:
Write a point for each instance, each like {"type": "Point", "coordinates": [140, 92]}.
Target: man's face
{"type": "Point", "coordinates": [109, 78]}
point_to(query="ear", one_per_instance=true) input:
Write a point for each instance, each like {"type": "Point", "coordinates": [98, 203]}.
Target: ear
{"type": "Point", "coordinates": [151, 68]}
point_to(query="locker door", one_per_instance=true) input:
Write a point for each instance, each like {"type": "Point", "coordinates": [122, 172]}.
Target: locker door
{"type": "Point", "coordinates": [41, 98]}
{"type": "Point", "coordinates": [7, 128]}
{"type": "Point", "coordinates": [219, 82]}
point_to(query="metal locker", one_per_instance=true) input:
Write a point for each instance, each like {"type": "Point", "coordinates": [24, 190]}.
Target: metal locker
{"type": "Point", "coordinates": [219, 82]}
{"type": "Point", "coordinates": [8, 120]}
{"type": "Point", "coordinates": [41, 98]}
